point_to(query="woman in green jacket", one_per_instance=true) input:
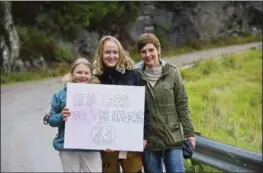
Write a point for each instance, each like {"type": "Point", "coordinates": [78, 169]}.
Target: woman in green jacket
{"type": "Point", "coordinates": [169, 122]}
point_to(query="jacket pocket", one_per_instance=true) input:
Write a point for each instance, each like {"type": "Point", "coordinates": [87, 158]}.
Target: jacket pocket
{"type": "Point", "coordinates": [169, 89]}
{"type": "Point", "coordinates": [175, 132]}
{"type": "Point", "coordinates": [173, 127]}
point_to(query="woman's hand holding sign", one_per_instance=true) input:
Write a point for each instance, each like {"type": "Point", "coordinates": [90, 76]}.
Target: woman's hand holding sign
{"type": "Point", "coordinates": [65, 113]}
{"type": "Point", "coordinates": [108, 150]}
{"type": "Point", "coordinates": [144, 143]}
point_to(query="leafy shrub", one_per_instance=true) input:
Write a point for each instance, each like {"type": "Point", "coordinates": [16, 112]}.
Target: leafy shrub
{"type": "Point", "coordinates": [63, 54]}
{"type": "Point", "coordinates": [35, 43]}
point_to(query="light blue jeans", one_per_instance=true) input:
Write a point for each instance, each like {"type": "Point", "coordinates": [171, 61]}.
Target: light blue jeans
{"type": "Point", "coordinates": [172, 158]}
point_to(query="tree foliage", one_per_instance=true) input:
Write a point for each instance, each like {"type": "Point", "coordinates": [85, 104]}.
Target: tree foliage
{"type": "Point", "coordinates": [68, 18]}
{"type": "Point", "coordinates": [41, 24]}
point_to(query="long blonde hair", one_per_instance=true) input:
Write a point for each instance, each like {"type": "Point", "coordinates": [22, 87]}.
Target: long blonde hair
{"type": "Point", "coordinates": [125, 61]}
{"type": "Point", "coordinates": [68, 77]}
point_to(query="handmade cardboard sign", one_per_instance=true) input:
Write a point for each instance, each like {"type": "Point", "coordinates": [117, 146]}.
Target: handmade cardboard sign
{"type": "Point", "coordinates": [105, 116]}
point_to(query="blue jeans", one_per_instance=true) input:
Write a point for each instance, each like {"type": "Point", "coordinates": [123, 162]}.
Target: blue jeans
{"type": "Point", "coordinates": [172, 158]}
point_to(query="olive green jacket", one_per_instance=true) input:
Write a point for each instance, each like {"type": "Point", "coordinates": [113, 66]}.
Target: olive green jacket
{"type": "Point", "coordinates": [168, 116]}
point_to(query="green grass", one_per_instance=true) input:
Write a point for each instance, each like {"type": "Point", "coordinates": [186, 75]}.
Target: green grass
{"type": "Point", "coordinates": [57, 70]}
{"type": "Point", "coordinates": [225, 98]}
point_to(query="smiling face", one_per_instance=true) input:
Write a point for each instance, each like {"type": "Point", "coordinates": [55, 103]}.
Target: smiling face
{"type": "Point", "coordinates": [149, 55]}
{"type": "Point", "coordinates": [82, 74]}
{"type": "Point", "coordinates": [110, 54]}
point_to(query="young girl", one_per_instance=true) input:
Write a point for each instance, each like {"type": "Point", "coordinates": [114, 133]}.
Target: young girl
{"type": "Point", "coordinates": [72, 160]}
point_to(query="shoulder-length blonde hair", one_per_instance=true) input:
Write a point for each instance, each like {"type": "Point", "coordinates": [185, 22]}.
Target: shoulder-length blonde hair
{"type": "Point", "coordinates": [80, 60]}
{"type": "Point", "coordinates": [125, 61]}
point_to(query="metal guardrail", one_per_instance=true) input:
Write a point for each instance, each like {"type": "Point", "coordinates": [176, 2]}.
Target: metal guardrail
{"type": "Point", "coordinates": [225, 157]}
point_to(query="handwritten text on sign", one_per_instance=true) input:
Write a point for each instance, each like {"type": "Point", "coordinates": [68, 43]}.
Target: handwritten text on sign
{"type": "Point", "coordinates": [105, 116]}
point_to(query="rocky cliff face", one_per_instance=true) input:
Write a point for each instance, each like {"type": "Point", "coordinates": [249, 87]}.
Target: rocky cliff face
{"type": "Point", "coordinates": [176, 22]}
{"type": "Point", "coordinates": [180, 21]}
{"type": "Point", "coordinates": [9, 40]}
{"type": "Point", "coordinates": [85, 45]}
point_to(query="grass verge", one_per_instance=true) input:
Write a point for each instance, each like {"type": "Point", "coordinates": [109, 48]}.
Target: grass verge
{"type": "Point", "coordinates": [225, 98]}
{"type": "Point", "coordinates": [57, 70]}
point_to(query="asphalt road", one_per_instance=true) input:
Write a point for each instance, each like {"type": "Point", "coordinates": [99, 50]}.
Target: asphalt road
{"type": "Point", "coordinates": [26, 143]}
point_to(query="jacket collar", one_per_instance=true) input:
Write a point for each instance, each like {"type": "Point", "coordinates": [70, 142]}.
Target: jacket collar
{"type": "Point", "coordinates": [113, 72]}
{"type": "Point", "coordinates": [165, 70]}
{"type": "Point", "coordinates": [141, 65]}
